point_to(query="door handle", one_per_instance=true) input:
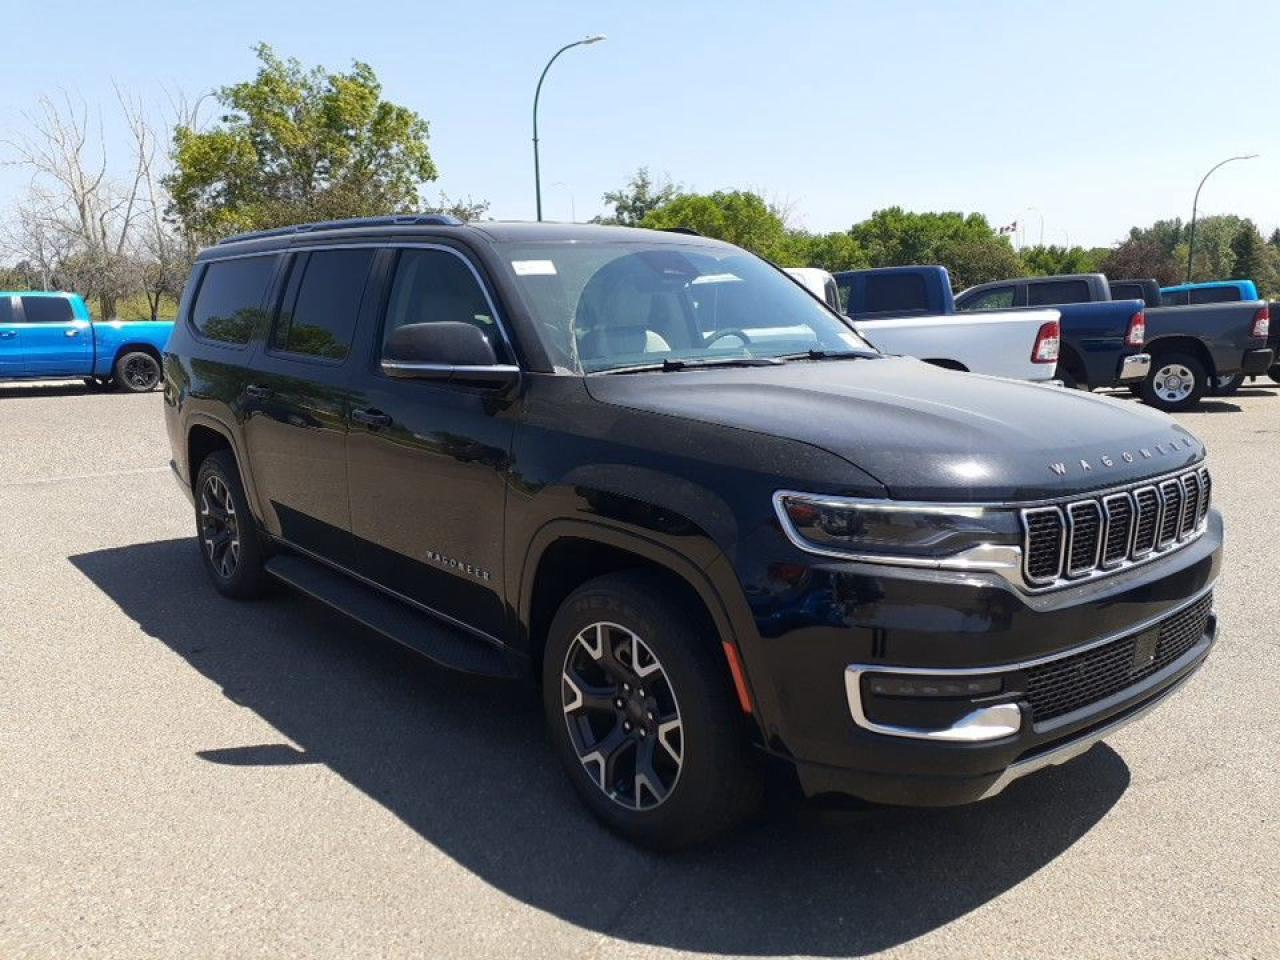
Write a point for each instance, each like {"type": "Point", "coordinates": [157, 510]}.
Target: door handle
{"type": "Point", "coordinates": [73, 332]}
{"type": "Point", "coordinates": [372, 418]}
{"type": "Point", "coordinates": [257, 392]}
{"type": "Point", "coordinates": [8, 334]}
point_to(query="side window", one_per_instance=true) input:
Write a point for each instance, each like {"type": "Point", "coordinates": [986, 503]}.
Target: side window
{"type": "Point", "coordinates": [896, 292]}
{"type": "Point", "coordinates": [845, 287]}
{"type": "Point", "coordinates": [229, 303]}
{"type": "Point", "coordinates": [6, 308]}
{"type": "Point", "coordinates": [999, 298]}
{"type": "Point", "coordinates": [1056, 292]}
{"type": "Point", "coordinates": [47, 310]}
{"type": "Point", "coordinates": [435, 286]}
{"type": "Point", "coordinates": [1175, 298]}
{"type": "Point", "coordinates": [322, 303]}
{"type": "Point", "coordinates": [1215, 295]}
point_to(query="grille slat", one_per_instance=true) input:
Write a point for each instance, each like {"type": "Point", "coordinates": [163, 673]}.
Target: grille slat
{"type": "Point", "coordinates": [1072, 682]}
{"type": "Point", "coordinates": [1080, 537]}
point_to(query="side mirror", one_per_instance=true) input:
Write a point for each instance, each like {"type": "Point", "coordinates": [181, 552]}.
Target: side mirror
{"type": "Point", "coordinates": [448, 350]}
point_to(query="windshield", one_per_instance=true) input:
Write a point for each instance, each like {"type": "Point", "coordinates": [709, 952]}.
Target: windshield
{"type": "Point", "coordinates": [602, 306]}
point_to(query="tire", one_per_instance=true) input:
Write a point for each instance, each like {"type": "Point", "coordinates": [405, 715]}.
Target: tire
{"type": "Point", "coordinates": [702, 777]}
{"type": "Point", "coordinates": [137, 372]}
{"type": "Point", "coordinates": [1226, 386]}
{"type": "Point", "coordinates": [1176, 382]}
{"type": "Point", "coordinates": [1274, 373]}
{"type": "Point", "coordinates": [227, 535]}
{"type": "Point", "coordinates": [1069, 380]}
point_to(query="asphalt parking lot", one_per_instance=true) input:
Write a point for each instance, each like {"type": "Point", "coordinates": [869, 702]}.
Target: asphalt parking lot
{"type": "Point", "coordinates": [184, 776]}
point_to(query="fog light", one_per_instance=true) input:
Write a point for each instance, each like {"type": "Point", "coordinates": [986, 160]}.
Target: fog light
{"type": "Point", "coordinates": [886, 685]}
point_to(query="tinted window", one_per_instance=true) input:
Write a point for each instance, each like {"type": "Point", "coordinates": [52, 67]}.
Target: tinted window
{"type": "Point", "coordinates": [1178, 298]}
{"type": "Point", "coordinates": [998, 299]}
{"type": "Point", "coordinates": [905, 291]}
{"type": "Point", "coordinates": [46, 310]}
{"type": "Point", "coordinates": [1215, 295]}
{"type": "Point", "coordinates": [229, 303]}
{"type": "Point", "coordinates": [1127, 291]}
{"type": "Point", "coordinates": [434, 286]}
{"type": "Point", "coordinates": [323, 302]}
{"type": "Point", "coordinates": [1057, 291]}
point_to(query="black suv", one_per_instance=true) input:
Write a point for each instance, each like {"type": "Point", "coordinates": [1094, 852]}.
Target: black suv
{"type": "Point", "coordinates": [650, 473]}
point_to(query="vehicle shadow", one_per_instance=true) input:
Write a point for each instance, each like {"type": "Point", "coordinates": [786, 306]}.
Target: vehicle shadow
{"type": "Point", "coordinates": [465, 764]}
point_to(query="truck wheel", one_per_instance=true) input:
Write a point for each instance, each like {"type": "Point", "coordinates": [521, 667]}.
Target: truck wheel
{"type": "Point", "coordinates": [137, 372]}
{"type": "Point", "coordinates": [1177, 382]}
{"type": "Point", "coordinates": [229, 540]}
{"type": "Point", "coordinates": [1226, 386]}
{"type": "Point", "coordinates": [641, 710]}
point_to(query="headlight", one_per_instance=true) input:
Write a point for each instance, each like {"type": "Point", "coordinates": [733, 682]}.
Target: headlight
{"type": "Point", "coordinates": [926, 534]}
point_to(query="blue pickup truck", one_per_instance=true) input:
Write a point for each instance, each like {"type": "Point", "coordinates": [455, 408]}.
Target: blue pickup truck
{"type": "Point", "coordinates": [51, 336]}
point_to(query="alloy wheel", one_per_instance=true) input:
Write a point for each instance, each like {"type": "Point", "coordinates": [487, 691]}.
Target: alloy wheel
{"type": "Point", "coordinates": [219, 526]}
{"type": "Point", "coordinates": [1173, 383]}
{"type": "Point", "coordinates": [623, 718]}
{"type": "Point", "coordinates": [141, 372]}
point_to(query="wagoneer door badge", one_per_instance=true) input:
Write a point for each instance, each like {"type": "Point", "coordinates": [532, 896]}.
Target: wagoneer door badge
{"type": "Point", "coordinates": [458, 566]}
{"type": "Point", "coordinates": [1127, 456]}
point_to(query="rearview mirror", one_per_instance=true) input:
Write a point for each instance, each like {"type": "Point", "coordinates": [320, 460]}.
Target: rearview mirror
{"type": "Point", "coordinates": [448, 350]}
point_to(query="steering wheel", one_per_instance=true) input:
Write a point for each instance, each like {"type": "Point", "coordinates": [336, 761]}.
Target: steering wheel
{"type": "Point", "coordinates": [731, 332]}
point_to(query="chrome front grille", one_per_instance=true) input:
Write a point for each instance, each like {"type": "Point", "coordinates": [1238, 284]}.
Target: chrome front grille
{"type": "Point", "coordinates": [1082, 537]}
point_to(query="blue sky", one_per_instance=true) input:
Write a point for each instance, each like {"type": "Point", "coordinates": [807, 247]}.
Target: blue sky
{"type": "Point", "coordinates": [1098, 115]}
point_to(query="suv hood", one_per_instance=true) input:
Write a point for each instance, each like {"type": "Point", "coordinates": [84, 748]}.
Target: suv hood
{"type": "Point", "coordinates": [923, 432]}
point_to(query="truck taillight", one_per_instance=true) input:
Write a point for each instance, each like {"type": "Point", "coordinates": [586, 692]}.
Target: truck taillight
{"type": "Point", "coordinates": [1137, 330]}
{"type": "Point", "coordinates": [1262, 322]}
{"type": "Point", "coordinates": [1047, 342]}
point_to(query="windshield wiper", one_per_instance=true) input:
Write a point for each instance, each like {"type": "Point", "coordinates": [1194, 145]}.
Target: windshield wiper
{"type": "Point", "coordinates": [831, 355]}
{"type": "Point", "coordinates": [672, 363]}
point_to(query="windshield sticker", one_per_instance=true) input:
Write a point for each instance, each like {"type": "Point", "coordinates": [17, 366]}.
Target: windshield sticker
{"type": "Point", "coordinates": [717, 278]}
{"type": "Point", "coordinates": [534, 268]}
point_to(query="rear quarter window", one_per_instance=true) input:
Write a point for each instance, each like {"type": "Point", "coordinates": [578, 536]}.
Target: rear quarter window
{"type": "Point", "coordinates": [1215, 295]}
{"type": "Point", "coordinates": [1057, 291]}
{"type": "Point", "coordinates": [230, 301]}
{"type": "Point", "coordinates": [1000, 298]}
{"type": "Point", "coordinates": [905, 291]}
{"type": "Point", "coordinates": [47, 310]}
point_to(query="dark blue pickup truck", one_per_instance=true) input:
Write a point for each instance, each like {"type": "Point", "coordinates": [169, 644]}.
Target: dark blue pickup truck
{"type": "Point", "coordinates": [1192, 347]}
{"type": "Point", "coordinates": [1101, 343]}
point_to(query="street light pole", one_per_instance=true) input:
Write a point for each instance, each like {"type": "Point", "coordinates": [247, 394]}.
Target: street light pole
{"type": "Point", "coordinates": [1191, 240]}
{"type": "Point", "coordinates": [537, 172]}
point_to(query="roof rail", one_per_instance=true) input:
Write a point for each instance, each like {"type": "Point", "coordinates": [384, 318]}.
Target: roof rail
{"type": "Point", "coordinates": [399, 220]}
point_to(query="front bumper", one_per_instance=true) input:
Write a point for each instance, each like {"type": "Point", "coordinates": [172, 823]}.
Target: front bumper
{"type": "Point", "coordinates": [1136, 366]}
{"type": "Point", "coordinates": [1257, 361]}
{"type": "Point", "coordinates": [853, 622]}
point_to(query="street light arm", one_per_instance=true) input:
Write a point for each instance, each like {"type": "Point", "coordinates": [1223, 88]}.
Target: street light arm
{"type": "Point", "coordinates": [1195, 204]}
{"type": "Point", "coordinates": [537, 173]}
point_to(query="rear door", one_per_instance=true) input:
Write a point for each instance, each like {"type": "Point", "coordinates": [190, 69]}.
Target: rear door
{"type": "Point", "coordinates": [10, 338]}
{"type": "Point", "coordinates": [297, 401]}
{"type": "Point", "coordinates": [55, 342]}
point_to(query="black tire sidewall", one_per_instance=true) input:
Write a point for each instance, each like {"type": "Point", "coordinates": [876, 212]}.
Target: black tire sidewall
{"type": "Point", "coordinates": [248, 580]}
{"type": "Point", "coordinates": [719, 775]}
{"type": "Point", "coordinates": [122, 381]}
{"type": "Point", "coordinates": [1198, 372]}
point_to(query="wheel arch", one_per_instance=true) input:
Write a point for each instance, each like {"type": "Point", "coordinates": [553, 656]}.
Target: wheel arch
{"type": "Point", "coordinates": [204, 434]}
{"type": "Point", "coordinates": [1182, 344]}
{"type": "Point", "coordinates": [565, 554]}
{"type": "Point", "coordinates": [137, 346]}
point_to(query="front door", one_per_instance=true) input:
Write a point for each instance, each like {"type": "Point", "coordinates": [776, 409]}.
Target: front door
{"type": "Point", "coordinates": [428, 459]}
{"type": "Point", "coordinates": [297, 401]}
{"type": "Point", "coordinates": [55, 342]}
{"type": "Point", "coordinates": [10, 339]}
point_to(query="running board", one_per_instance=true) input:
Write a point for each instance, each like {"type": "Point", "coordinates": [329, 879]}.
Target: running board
{"type": "Point", "coordinates": [440, 642]}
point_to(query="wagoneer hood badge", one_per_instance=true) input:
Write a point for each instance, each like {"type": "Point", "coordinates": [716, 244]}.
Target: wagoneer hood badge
{"type": "Point", "coordinates": [1150, 452]}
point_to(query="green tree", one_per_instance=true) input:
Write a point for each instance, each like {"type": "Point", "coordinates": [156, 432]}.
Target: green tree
{"type": "Point", "coordinates": [829, 251]}
{"type": "Point", "coordinates": [1051, 260]}
{"type": "Point", "coordinates": [964, 244]}
{"type": "Point", "coordinates": [736, 216]}
{"type": "Point", "coordinates": [1247, 252]}
{"type": "Point", "coordinates": [640, 197]}
{"type": "Point", "coordinates": [1141, 257]}
{"type": "Point", "coordinates": [1274, 239]}
{"type": "Point", "coordinates": [295, 145]}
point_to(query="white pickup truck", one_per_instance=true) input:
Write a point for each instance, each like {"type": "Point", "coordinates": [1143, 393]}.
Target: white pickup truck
{"type": "Point", "coordinates": [904, 310]}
